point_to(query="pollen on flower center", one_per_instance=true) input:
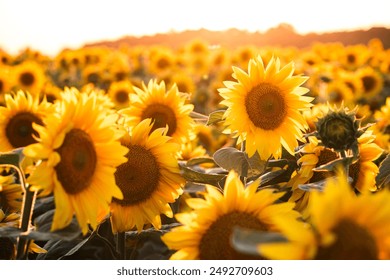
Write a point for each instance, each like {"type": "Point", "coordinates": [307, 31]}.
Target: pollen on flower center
{"type": "Point", "coordinates": [266, 106]}
{"type": "Point", "coordinates": [162, 115]}
{"type": "Point", "coordinates": [215, 243]}
{"type": "Point", "coordinates": [19, 130]}
{"type": "Point", "coordinates": [78, 161]}
{"type": "Point", "coordinates": [139, 177]}
{"type": "Point", "coordinates": [27, 79]}
{"type": "Point", "coordinates": [353, 243]}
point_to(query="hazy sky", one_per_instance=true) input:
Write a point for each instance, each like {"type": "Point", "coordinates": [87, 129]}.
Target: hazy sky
{"type": "Point", "coordinates": [50, 25]}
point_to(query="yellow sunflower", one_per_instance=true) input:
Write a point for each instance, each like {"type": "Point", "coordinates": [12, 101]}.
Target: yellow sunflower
{"type": "Point", "coordinates": [343, 227]}
{"type": "Point", "coordinates": [372, 81]}
{"type": "Point", "coordinates": [29, 76]}
{"type": "Point", "coordinates": [149, 180]}
{"type": "Point", "coordinates": [206, 231]}
{"type": "Point", "coordinates": [119, 93]}
{"type": "Point", "coordinates": [165, 107]}
{"type": "Point", "coordinates": [17, 117]}
{"type": "Point", "coordinates": [363, 171]}
{"type": "Point", "coordinates": [11, 194]}
{"type": "Point", "coordinates": [5, 84]}
{"type": "Point", "coordinates": [264, 107]}
{"type": "Point", "coordinates": [80, 151]}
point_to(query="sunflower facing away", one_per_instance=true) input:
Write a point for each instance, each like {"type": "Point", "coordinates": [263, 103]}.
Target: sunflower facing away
{"type": "Point", "coordinates": [344, 226]}
{"type": "Point", "coordinates": [149, 180]}
{"type": "Point", "coordinates": [264, 107]}
{"type": "Point", "coordinates": [80, 151]}
{"type": "Point", "coordinates": [165, 107]}
{"type": "Point", "coordinates": [206, 231]}
{"type": "Point", "coordinates": [16, 118]}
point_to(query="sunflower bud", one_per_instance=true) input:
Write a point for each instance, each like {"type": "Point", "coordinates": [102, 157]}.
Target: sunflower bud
{"type": "Point", "coordinates": [339, 129]}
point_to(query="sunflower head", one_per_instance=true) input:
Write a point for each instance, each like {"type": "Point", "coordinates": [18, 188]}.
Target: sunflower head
{"type": "Point", "coordinates": [264, 107]}
{"type": "Point", "coordinates": [339, 129]}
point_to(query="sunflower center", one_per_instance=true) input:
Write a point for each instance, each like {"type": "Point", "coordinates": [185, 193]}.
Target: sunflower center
{"type": "Point", "coordinates": [163, 63]}
{"type": "Point", "coordinates": [335, 96]}
{"type": "Point", "coordinates": [19, 130]}
{"type": "Point", "coordinates": [368, 83]}
{"type": "Point", "coordinates": [326, 155]}
{"type": "Point", "coordinates": [27, 79]}
{"type": "Point", "coordinates": [122, 96]}
{"type": "Point", "coordinates": [266, 106]}
{"type": "Point", "coordinates": [351, 58]}
{"type": "Point", "coordinates": [215, 243]}
{"type": "Point", "coordinates": [139, 177]}
{"type": "Point", "coordinates": [78, 161]}
{"type": "Point", "coordinates": [353, 243]}
{"type": "Point", "coordinates": [161, 115]}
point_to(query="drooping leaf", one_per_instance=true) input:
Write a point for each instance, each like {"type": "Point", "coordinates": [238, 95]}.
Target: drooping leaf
{"type": "Point", "coordinates": [246, 240]}
{"type": "Point", "coordinates": [232, 159]}
{"type": "Point", "coordinates": [320, 185]}
{"type": "Point", "coordinates": [334, 164]}
{"type": "Point", "coordinates": [215, 117]}
{"type": "Point", "coordinates": [191, 187]}
{"type": "Point", "coordinates": [200, 160]}
{"type": "Point", "coordinates": [9, 232]}
{"type": "Point", "coordinates": [147, 244]}
{"type": "Point", "coordinates": [198, 117]}
{"type": "Point", "coordinates": [199, 175]}
{"type": "Point", "coordinates": [43, 229]}
{"type": "Point", "coordinates": [383, 177]}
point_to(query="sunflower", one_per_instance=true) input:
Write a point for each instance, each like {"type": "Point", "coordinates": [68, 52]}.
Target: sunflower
{"type": "Point", "coordinates": [4, 79]}
{"type": "Point", "coordinates": [149, 180]}
{"type": "Point", "coordinates": [206, 231]}
{"type": "Point", "coordinates": [343, 226]}
{"type": "Point", "coordinates": [165, 107]}
{"type": "Point", "coordinates": [80, 151]}
{"type": "Point", "coordinates": [29, 76]}
{"type": "Point", "coordinates": [338, 92]}
{"type": "Point", "coordinates": [363, 171]}
{"type": "Point", "coordinates": [372, 81]}
{"type": "Point", "coordinates": [119, 93]}
{"type": "Point", "coordinates": [11, 194]}
{"type": "Point", "coordinates": [264, 107]}
{"type": "Point", "coordinates": [17, 117]}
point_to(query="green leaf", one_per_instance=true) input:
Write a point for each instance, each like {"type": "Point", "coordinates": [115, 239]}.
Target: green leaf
{"type": "Point", "coordinates": [9, 232]}
{"type": "Point", "coordinates": [199, 176]}
{"type": "Point", "coordinates": [215, 117]}
{"type": "Point", "coordinates": [191, 187]}
{"type": "Point", "coordinates": [200, 160]}
{"type": "Point", "coordinates": [43, 225]}
{"type": "Point", "coordinates": [247, 240]}
{"type": "Point", "coordinates": [334, 164]}
{"type": "Point", "coordinates": [12, 158]}
{"type": "Point", "coordinates": [232, 159]}
{"type": "Point", "coordinates": [383, 177]}
{"type": "Point", "coordinates": [198, 117]}
{"type": "Point", "coordinates": [320, 185]}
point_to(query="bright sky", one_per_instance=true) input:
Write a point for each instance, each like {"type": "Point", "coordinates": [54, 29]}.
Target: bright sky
{"type": "Point", "coordinates": [50, 25]}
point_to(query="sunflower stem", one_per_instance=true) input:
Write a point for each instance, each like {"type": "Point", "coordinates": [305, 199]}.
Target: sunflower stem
{"type": "Point", "coordinates": [243, 149]}
{"type": "Point", "coordinates": [121, 244]}
{"type": "Point", "coordinates": [28, 203]}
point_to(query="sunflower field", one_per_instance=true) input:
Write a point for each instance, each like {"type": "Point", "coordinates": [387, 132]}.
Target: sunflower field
{"type": "Point", "coordinates": [196, 152]}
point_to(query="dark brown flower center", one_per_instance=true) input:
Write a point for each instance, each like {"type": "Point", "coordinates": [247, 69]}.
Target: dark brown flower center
{"type": "Point", "coordinates": [163, 63]}
{"type": "Point", "coordinates": [369, 83]}
{"type": "Point", "coordinates": [78, 161]}
{"type": "Point", "coordinates": [19, 130]}
{"type": "Point", "coordinates": [161, 115]}
{"type": "Point", "coordinates": [27, 79]}
{"type": "Point", "coordinates": [139, 177]}
{"type": "Point", "coordinates": [265, 106]}
{"type": "Point", "coordinates": [215, 243]}
{"type": "Point", "coordinates": [351, 58]}
{"type": "Point", "coordinates": [122, 96]}
{"type": "Point", "coordinates": [353, 242]}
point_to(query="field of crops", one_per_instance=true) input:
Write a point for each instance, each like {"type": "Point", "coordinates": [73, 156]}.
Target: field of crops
{"type": "Point", "coordinates": [197, 152]}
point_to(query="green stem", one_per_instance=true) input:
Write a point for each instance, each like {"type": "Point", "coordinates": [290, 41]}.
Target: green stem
{"type": "Point", "coordinates": [28, 203]}
{"type": "Point", "coordinates": [243, 149]}
{"type": "Point", "coordinates": [121, 244]}
{"type": "Point", "coordinates": [343, 154]}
